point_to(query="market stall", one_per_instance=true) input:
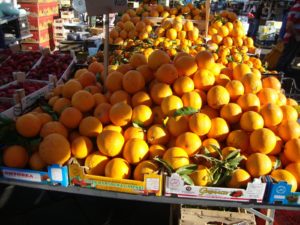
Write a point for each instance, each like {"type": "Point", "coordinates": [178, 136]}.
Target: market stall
{"type": "Point", "coordinates": [172, 106]}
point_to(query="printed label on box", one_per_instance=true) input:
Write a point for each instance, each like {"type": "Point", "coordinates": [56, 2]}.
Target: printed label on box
{"type": "Point", "coordinates": [18, 175]}
{"type": "Point", "coordinates": [152, 184]}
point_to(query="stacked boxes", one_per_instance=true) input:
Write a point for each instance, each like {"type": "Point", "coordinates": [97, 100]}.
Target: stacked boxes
{"type": "Point", "coordinates": [40, 18]}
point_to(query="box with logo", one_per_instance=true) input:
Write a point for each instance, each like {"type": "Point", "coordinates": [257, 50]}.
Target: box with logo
{"type": "Point", "coordinates": [40, 9]}
{"type": "Point", "coordinates": [152, 184]}
{"type": "Point", "coordinates": [175, 186]}
{"type": "Point", "coordinates": [280, 193]}
{"type": "Point", "coordinates": [54, 175]}
{"type": "Point", "coordinates": [40, 23]}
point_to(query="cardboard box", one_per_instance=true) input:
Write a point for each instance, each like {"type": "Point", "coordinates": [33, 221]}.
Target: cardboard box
{"type": "Point", "coordinates": [38, 36]}
{"type": "Point", "coordinates": [55, 175]}
{"type": "Point", "coordinates": [67, 14]}
{"type": "Point", "coordinates": [36, 1]}
{"type": "Point", "coordinates": [35, 46]}
{"type": "Point", "coordinates": [151, 185]}
{"type": "Point", "coordinates": [175, 186]}
{"type": "Point", "coordinates": [60, 22]}
{"type": "Point", "coordinates": [40, 23]}
{"type": "Point", "coordinates": [40, 9]}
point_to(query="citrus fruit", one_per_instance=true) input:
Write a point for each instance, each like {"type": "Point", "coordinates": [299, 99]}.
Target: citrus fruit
{"type": "Point", "coordinates": [110, 143]}
{"type": "Point", "coordinates": [118, 168]}
{"type": "Point", "coordinates": [15, 156]}
{"type": "Point", "coordinates": [144, 167]}
{"type": "Point", "coordinates": [176, 157]}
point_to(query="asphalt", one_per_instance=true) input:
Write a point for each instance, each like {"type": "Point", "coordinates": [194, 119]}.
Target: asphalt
{"type": "Point", "coordinates": [27, 206]}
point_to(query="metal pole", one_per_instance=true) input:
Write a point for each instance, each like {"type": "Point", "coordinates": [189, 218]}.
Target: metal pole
{"type": "Point", "coordinates": [106, 44]}
{"type": "Point", "coordinates": [207, 14]}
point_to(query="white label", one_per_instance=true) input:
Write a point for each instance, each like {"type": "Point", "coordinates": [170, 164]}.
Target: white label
{"type": "Point", "coordinates": [152, 184]}
{"type": "Point", "coordinates": [18, 175]}
{"type": "Point", "coordinates": [255, 191]}
{"type": "Point", "coordinates": [56, 174]}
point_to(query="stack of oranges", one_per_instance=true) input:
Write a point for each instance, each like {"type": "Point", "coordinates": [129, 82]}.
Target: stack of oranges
{"type": "Point", "coordinates": [117, 127]}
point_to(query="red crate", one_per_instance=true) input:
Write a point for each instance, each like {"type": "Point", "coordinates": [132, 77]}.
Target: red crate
{"type": "Point", "coordinates": [39, 36]}
{"type": "Point", "coordinates": [40, 9]}
{"type": "Point", "coordinates": [40, 23]}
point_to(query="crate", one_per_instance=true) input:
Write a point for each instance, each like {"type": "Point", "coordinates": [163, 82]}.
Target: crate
{"type": "Point", "coordinates": [67, 14]}
{"type": "Point", "coordinates": [36, 1]}
{"type": "Point", "coordinates": [40, 9]}
{"type": "Point", "coordinates": [40, 23]}
{"type": "Point", "coordinates": [35, 46]}
{"type": "Point", "coordinates": [60, 22]}
{"type": "Point", "coordinates": [290, 88]}
{"type": "Point", "coordinates": [38, 36]}
{"type": "Point", "coordinates": [192, 216]}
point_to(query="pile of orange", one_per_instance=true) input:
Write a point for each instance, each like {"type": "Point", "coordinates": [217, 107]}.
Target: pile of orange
{"type": "Point", "coordinates": [118, 127]}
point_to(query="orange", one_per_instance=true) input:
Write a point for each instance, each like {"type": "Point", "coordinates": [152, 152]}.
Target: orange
{"type": "Point", "coordinates": [58, 90]}
{"type": "Point", "coordinates": [70, 117]}
{"type": "Point", "coordinates": [205, 60]}
{"type": "Point", "coordinates": [240, 71]}
{"type": "Point", "coordinates": [209, 144]}
{"type": "Point", "coordinates": [289, 113]}
{"type": "Point", "coordinates": [81, 147]}
{"type": "Point", "coordinates": [60, 104]}
{"type": "Point", "coordinates": [52, 100]}
{"type": "Point", "coordinates": [137, 59]}
{"type": "Point", "coordinates": [231, 112]}
{"type": "Point", "coordinates": [79, 72]}
{"type": "Point", "coordinates": [292, 150]}
{"type": "Point", "coordinates": [203, 79]}
{"type": "Point", "coordinates": [183, 85]}
{"type": "Point", "coordinates": [119, 96]}
{"type": "Point", "coordinates": [192, 99]}
{"type": "Point", "coordinates": [100, 98]}
{"type": "Point", "coordinates": [251, 121]}
{"type": "Point", "coordinates": [94, 89]}
{"type": "Point", "coordinates": [113, 81]}
{"type": "Point", "coordinates": [170, 104]}
{"type": "Point", "coordinates": [36, 163]}
{"type": "Point", "coordinates": [285, 175]}
{"type": "Point", "coordinates": [71, 87]}
{"type": "Point", "coordinates": [96, 162]}
{"type": "Point", "coordinates": [135, 150]}
{"type": "Point", "coordinates": [83, 101]}
{"type": "Point", "coordinates": [101, 112]}
{"type": "Point", "coordinates": [120, 114]}
{"type": "Point", "coordinates": [72, 135]}
{"type": "Point", "coordinates": [210, 112]}
{"type": "Point", "coordinates": [263, 140]}
{"type": "Point", "coordinates": [53, 127]}
{"type": "Point", "coordinates": [144, 167]}
{"type": "Point", "coordinates": [87, 79]}
{"type": "Point", "coordinates": [271, 82]}
{"type": "Point", "coordinates": [113, 128]}
{"type": "Point", "coordinates": [217, 96]}
{"type": "Point", "coordinates": [238, 139]}
{"type": "Point", "coordinates": [15, 156]}
{"type": "Point", "coordinates": [186, 65]}
{"type": "Point", "coordinates": [176, 157]}
{"type": "Point", "coordinates": [118, 168]}
{"type": "Point", "coordinates": [288, 130]}
{"type": "Point", "coordinates": [294, 168]}
{"type": "Point", "coordinates": [252, 83]}
{"type": "Point", "coordinates": [90, 126]}
{"type": "Point", "coordinates": [171, 34]}
{"type": "Point", "coordinates": [239, 179]}
{"type": "Point", "coordinates": [110, 143]}
{"type": "Point", "coordinates": [219, 129]}
{"type": "Point", "coordinates": [55, 149]}
{"type": "Point", "coordinates": [160, 91]}
{"type": "Point", "coordinates": [249, 102]}
{"type": "Point", "coordinates": [222, 80]}
{"type": "Point", "coordinates": [157, 58]}
{"type": "Point", "coordinates": [28, 125]}
{"type": "Point", "coordinates": [179, 55]}
{"type": "Point", "coordinates": [177, 125]}
{"type": "Point", "coordinates": [292, 102]}
{"type": "Point", "coordinates": [166, 73]}
{"type": "Point", "coordinates": [272, 114]}
{"type": "Point", "coordinates": [158, 115]}
{"type": "Point", "coordinates": [140, 26]}
{"type": "Point", "coordinates": [124, 68]}
{"type": "Point", "coordinates": [157, 134]}
{"type": "Point", "coordinates": [96, 67]}
{"type": "Point", "coordinates": [190, 142]}
{"type": "Point", "coordinates": [156, 151]}
{"type": "Point", "coordinates": [142, 115]}
{"type": "Point", "coordinates": [130, 78]}
{"type": "Point", "coordinates": [146, 71]}
{"type": "Point", "coordinates": [134, 132]}
{"type": "Point", "coordinates": [267, 95]}
{"type": "Point", "coordinates": [258, 164]}
{"type": "Point", "coordinates": [188, 25]}
{"type": "Point", "coordinates": [200, 124]}
{"type": "Point", "coordinates": [283, 159]}
{"type": "Point", "coordinates": [201, 176]}
{"type": "Point", "coordinates": [141, 98]}
{"type": "Point", "coordinates": [227, 150]}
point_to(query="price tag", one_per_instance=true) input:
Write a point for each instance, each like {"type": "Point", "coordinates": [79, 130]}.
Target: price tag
{"type": "Point", "coordinates": [152, 184]}
{"type": "Point", "coordinates": [98, 8]}
{"type": "Point", "coordinates": [56, 174]}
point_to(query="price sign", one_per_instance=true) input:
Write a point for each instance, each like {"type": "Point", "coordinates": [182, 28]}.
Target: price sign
{"type": "Point", "coordinates": [97, 8]}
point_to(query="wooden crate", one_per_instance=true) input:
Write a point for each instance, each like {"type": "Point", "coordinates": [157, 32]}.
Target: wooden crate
{"type": "Point", "coordinates": [191, 216]}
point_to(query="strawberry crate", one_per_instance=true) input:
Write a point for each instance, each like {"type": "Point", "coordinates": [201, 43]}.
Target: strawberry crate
{"type": "Point", "coordinates": [40, 23]}
{"type": "Point", "coordinates": [38, 36]}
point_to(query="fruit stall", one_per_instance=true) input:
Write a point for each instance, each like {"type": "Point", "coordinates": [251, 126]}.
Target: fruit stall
{"type": "Point", "coordinates": [175, 107]}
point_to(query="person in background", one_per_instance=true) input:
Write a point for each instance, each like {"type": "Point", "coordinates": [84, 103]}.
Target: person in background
{"type": "Point", "coordinates": [255, 21]}
{"type": "Point", "coordinates": [291, 38]}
